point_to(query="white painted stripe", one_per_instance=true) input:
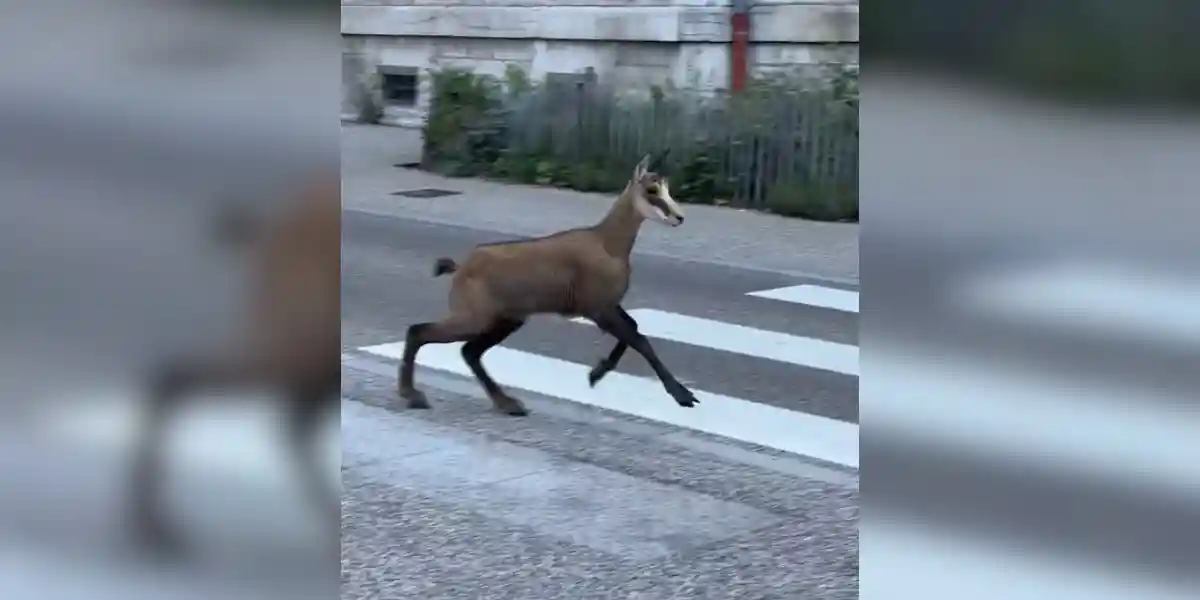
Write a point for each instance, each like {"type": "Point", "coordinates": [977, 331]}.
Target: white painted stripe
{"type": "Point", "coordinates": [813, 295]}
{"type": "Point", "coordinates": [241, 439]}
{"type": "Point", "coordinates": [790, 431]}
{"type": "Point", "coordinates": [1124, 301]}
{"type": "Point", "coordinates": [1129, 435]}
{"type": "Point", "coordinates": [916, 562]}
{"type": "Point", "coordinates": [739, 339]}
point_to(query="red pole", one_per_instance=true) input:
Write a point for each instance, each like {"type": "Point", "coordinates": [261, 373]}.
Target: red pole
{"type": "Point", "coordinates": [740, 48]}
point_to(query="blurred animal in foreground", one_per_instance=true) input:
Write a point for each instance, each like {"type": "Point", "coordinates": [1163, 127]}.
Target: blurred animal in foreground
{"type": "Point", "coordinates": [575, 273]}
{"type": "Point", "coordinates": [291, 344]}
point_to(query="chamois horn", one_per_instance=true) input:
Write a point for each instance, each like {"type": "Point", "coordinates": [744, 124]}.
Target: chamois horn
{"type": "Point", "coordinates": [657, 161]}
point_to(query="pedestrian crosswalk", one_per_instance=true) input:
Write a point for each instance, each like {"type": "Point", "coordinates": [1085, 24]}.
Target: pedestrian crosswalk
{"type": "Point", "coordinates": [236, 436]}
{"type": "Point", "coordinates": [744, 420]}
{"type": "Point", "coordinates": [813, 295]}
{"type": "Point", "coordinates": [1128, 302]}
{"type": "Point", "coordinates": [244, 439]}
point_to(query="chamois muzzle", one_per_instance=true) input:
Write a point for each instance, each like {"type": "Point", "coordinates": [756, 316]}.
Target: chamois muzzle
{"type": "Point", "coordinates": [665, 205]}
{"type": "Point", "coordinates": [671, 212]}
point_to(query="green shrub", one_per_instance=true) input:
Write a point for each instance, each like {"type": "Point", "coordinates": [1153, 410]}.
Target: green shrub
{"type": "Point", "coordinates": [368, 99]}
{"type": "Point", "coordinates": [815, 202]}
{"type": "Point", "coordinates": [788, 144]}
{"type": "Point", "coordinates": [460, 131]}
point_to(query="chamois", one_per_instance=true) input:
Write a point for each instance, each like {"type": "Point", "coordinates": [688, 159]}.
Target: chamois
{"type": "Point", "coordinates": [292, 345]}
{"type": "Point", "coordinates": [575, 273]}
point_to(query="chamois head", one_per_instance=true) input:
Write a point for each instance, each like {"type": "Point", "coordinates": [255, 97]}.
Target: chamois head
{"type": "Point", "coordinates": [652, 194]}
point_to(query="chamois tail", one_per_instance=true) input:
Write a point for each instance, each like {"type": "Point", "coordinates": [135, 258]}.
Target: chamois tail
{"type": "Point", "coordinates": [234, 226]}
{"type": "Point", "coordinates": [443, 266]}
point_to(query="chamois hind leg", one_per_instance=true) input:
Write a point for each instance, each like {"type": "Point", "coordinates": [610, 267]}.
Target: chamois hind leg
{"type": "Point", "coordinates": [613, 324]}
{"type": "Point", "coordinates": [453, 329]}
{"type": "Point", "coordinates": [472, 353]}
{"type": "Point", "coordinates": [168, 390]}
{"type": "Point", "coordinates": [171, 384]}
{"type": "Point", "coordinates": [307, 405]}
{"type": "Point", "coordinates": [607, 364]}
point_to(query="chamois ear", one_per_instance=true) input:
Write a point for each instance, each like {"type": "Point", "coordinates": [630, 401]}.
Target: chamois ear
{"type": "Point", "coordinates": [641, 168]}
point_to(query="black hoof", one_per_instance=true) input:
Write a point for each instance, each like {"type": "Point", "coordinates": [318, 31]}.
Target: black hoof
{"type": "Point", "coordinates": [512, 407]}
{"type": "Point", "coordinates": [416, 399]}
{"type": "Point", "coordinates": [597, 373]}
{"type": "Point", "coordinates": [685, 398]}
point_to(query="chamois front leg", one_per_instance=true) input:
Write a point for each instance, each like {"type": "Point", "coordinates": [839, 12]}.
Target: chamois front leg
{"type": "Point", "coordinates": [607, 364]}
{"type": "Point", "coordinates": [612, 323]}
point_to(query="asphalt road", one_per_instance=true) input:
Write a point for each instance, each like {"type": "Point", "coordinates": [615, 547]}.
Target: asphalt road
{"type": "Point", "coordinates": [107, 264]}
{"type": "Point", "coordinates": [462, 502]}
{"type": "Point", "coordinates": [454, 502]}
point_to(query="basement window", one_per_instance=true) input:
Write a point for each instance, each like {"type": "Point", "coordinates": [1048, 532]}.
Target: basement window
{"type": "Point", "coordinates": [399, 85]}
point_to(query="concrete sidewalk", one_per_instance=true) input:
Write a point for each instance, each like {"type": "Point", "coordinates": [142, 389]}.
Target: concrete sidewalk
{"type": "Point", "coordinates": [734, 237]}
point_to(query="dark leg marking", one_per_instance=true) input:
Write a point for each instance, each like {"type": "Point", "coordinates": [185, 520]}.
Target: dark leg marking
{"type": "Point", "coordinates": [607, 364]}
{"type": "Point", "coordinates": [418, 335]}
{"type": "Point", "coordinates": [308, 405]}
{"type": "Point", "coordinates": [616, 326]}
{"type": "Point", "coordinates": [472, 353]}
{"type": "Point", "coordinates": [170, 385]}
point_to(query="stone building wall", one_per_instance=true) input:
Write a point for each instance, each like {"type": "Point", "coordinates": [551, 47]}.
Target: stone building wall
{"type": "Point", "coordinates": [627, 42]}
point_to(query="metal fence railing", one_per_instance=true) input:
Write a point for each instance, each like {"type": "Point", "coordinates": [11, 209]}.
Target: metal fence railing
{"type": "Point", "coordinates": [785, 146]}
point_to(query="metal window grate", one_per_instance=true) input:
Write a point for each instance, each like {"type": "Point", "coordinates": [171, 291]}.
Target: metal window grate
{"type": "Point", "coordinates": [400, 85]}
